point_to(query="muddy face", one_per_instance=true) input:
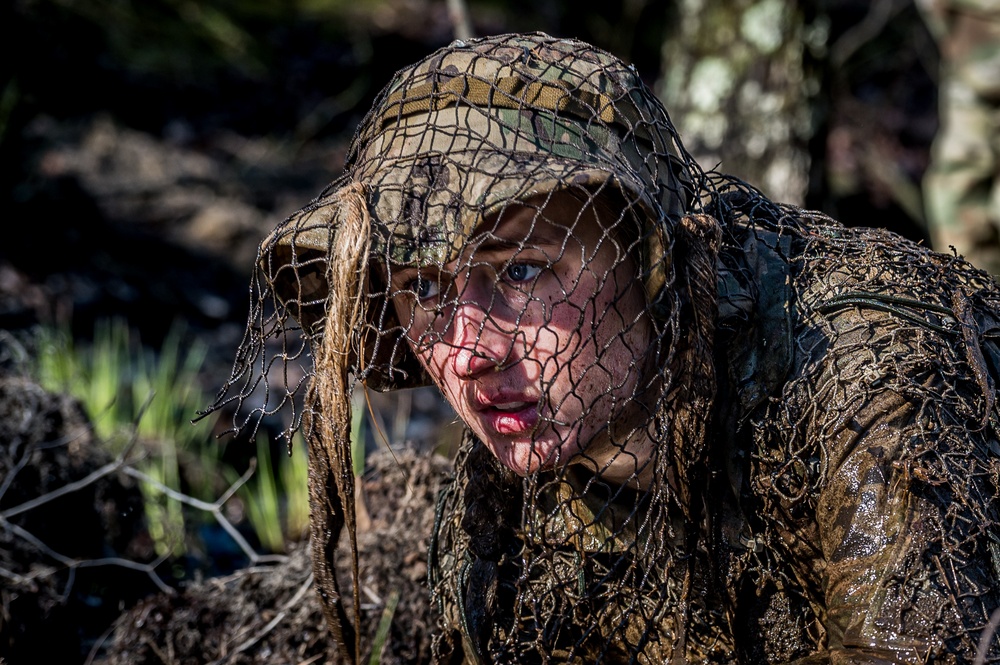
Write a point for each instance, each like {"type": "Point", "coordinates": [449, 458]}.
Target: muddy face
{"type": "Point", "coordinates": [532, 334]}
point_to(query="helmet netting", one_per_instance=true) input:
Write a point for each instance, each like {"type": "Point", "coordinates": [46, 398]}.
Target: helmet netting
{"type": "Point", "coordinates": [656, 367]}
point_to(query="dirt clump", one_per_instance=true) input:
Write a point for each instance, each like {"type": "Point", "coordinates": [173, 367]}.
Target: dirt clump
{"type": "Point", "coordinates": [63, 510]}
{"type": "Point", "coordinates": [272, 614]}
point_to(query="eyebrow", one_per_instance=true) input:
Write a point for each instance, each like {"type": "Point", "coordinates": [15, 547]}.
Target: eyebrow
{"type": "Point", "coordinates": [489, 240]}
{"type": "Point", "coordinates": [493, 239]}
{"type": "Point", "coordinates": [403, 273]}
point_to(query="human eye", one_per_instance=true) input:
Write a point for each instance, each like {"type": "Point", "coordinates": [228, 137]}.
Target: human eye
{"type": "Point", "coordinates": [416, 285]}
{"type": "Point", "coordinates": [519, 272]}
{"type": "Point", "coordinates": [424, 288]}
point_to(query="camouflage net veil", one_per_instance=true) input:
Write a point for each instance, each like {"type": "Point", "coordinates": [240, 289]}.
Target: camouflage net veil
{"type": "Point", "coordinates": [701, 426]}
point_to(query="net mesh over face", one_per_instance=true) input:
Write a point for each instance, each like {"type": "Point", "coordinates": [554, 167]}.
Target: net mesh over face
{"type": "Point", "coordinates": [700, 426]}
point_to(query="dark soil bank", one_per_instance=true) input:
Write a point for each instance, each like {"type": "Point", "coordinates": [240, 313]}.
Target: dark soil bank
{"type": "Point", "coordinates": [55, 601]}
{"type": "Point", "coordinates": [272, 615]}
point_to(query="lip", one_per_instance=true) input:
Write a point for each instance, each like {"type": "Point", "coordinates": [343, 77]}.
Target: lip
{"type": "Point", "coordinates": [508, 414]}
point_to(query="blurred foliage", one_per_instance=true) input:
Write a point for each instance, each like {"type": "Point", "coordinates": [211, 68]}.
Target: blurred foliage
{"type": "Point", "coordinates": [258, 67]}
{"type": "Point", "coordinates": [359, 407]}
{"type": "Point", "coordinates": [122, 384]}
{"type": "Point", "coordinates": [131, 391]}
{"type": "Point", "coordinates": [248, 65]}
{"type": "Point", "coordinates": [192, 41]}
{"type": "Point", "coordinates": [277, 497]}
{"type": "Point", "coordinates": [382, 631]}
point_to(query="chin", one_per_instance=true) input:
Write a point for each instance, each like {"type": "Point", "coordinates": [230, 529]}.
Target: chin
{"type": "Point", "coordinates": [527, 457]}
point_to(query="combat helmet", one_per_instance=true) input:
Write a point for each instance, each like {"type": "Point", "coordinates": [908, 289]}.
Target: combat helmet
{"type": "Point", "coordinates": [450, 142]}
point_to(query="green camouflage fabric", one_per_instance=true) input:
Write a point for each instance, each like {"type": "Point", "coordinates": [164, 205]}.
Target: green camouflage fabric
{"type": "Point", "coordinates": [962, 185]}
{"type": "Point", "coordinates": [789, 454]}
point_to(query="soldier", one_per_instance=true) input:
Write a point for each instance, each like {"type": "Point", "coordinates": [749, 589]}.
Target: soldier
{"type": "Point", "coordinates": [700, 426]}
{"type": "Point", "coordinates": [962, 185]}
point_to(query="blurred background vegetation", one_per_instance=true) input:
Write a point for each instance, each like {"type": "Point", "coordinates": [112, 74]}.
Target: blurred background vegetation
{"type": "Point", "coordinates": [146, 147]}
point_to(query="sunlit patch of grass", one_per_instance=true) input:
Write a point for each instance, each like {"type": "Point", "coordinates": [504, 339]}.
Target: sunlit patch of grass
{"type": "Point", "coordinates": [359, 407]}
{"type": "Point", "coordinates": [277, 498]}
{"type": "Point", "coordinates": [262, 501]}
{"type": "Point", "coordinates": [127, 388]}
{"type": "Point", "coordinates": [294, 473]}
{"type": "Point", "coordinates": [124, 387]}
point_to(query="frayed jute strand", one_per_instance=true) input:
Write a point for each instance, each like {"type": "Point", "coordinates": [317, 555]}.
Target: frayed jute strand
{"type": "Point", "coordinates": [328, 422]}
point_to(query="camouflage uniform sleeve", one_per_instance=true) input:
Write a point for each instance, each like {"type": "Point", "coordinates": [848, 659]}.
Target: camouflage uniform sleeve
{"type": "Point", "coordinates": [906, 509]}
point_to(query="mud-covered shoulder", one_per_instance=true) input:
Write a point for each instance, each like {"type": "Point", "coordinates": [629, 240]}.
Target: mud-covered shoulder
{"type": "Point", "coordinates": [884, 444]}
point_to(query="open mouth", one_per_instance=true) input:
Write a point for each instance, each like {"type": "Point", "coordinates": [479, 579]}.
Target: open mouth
{"type": "Point", "coordinates": [509, 406]}
{"type": "Point", "coordinates": [510, 417]}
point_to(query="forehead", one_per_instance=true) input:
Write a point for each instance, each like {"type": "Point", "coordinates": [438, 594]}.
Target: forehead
{"type": "Point", "coordinates": [426, 210]}
{"type": "Point", "coordinates": [551, 224]}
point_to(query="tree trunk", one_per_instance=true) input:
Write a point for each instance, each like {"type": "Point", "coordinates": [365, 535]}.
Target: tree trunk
{"type": "Point", "coordinates": [737, 88]}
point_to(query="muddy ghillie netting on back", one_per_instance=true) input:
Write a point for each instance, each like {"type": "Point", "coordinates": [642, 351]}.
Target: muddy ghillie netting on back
{"type": "Point", "coordinates": [701, 426]}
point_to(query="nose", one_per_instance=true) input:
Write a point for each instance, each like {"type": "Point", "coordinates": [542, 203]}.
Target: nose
{"type": "Point", "coordinates": [479, 345]}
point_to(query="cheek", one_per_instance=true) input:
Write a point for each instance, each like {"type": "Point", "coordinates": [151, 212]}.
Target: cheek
{"type": "Point", "coordinates": [602, 350]}
{"type": "Point", "coordinates": [557, 343]}
{"type": "Point", "coordinates": [422, 338]}
{"type": "Point", "coordinates": [566, 349]}
{"type": "Point", "coordinates": [434, 358]}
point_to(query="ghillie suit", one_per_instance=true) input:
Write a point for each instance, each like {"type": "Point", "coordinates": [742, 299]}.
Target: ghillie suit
{"type": "Point", "coordinates": [809, 411]}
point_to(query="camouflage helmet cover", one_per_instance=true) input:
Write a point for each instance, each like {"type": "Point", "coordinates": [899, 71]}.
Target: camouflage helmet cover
{"type": "Point", "coordinates": [461, 134]}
